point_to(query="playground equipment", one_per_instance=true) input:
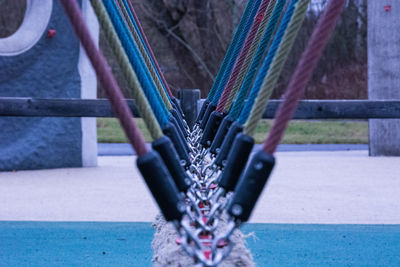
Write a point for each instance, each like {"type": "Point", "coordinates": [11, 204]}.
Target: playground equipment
{"type": "Point", "coordinates": [38, 64]}
{"type": "Point", "coordinates": [199, 176]}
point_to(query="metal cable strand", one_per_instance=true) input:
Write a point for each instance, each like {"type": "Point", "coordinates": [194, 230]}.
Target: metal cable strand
{"type": "Point", "coordinates": [267, 62]}
{"type": "Point", "coordinates": [235, 54]}
{"type": "Point", "coordinates": [250, 55]}
{"type": "Point", "coordinates": [259, 18]}
{"type": "Point", "coordinates": [231, 48]}
{"type": "Point", "coordinates": [144, 54]}
{"type": "Point", "coordinates": [143, 74]}
{"type": "Point", "coordinates": [303, 72]}
{"type": "Point", "coordinates": [266, 40]}
{"type": "Point", "coordinates": [146, 41]}
{"type": "Point", "coordinates": [276, 67]}
{"type": "Point", "coordinates": [105, 77]}
{"type": "Point", "coordinates": [127, 70]}
{"type": "Point", "coordinates": [152, 95]}
{"type": "Point", "coordinates": [140, 33]}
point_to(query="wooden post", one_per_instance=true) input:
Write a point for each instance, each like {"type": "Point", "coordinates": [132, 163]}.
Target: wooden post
{"type": "Point", "coordinates": [384, 72]}
{"type": "Point", "coordinates": [189, 99]}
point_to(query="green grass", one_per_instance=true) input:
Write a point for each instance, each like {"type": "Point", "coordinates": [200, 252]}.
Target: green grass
{"type": "Point", "coordinates": [298, 132]}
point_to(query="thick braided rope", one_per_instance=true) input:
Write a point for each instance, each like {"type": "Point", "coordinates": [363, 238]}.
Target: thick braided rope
{"type": "Point", "coordinates": [276, 67]}
{"type": "Point", "coordinates": [231, 48]}
{"type": "Point", "coordinates": [152, 95]}
{"type": "Point", "coordinates": [259, 18]}
{"type": "Point", "coordinates": [118, 103]}
{"type": "Point", "coordinates": [140, 33]}
{"type": "Point", "coordinates": [235, 53]}
{"type": "Point", "coordinates": [121, 27]}
{"type": "Point", "coordinates": [250, 55]}
{"type": "Point", "coordinates": [144, 54]}
{"type": "Point", "coordinates": [146, 41]}
{"type": "Point", "coordinates": [266, 40]}
{"type": "Point", "coordinates": [143, 40]}
{"type": "Point", "coordinates": [303, 72]}
{"type": "Point", "coordinates": [267, 62]}
{"type": "Point", "coordinates": [126, 68]}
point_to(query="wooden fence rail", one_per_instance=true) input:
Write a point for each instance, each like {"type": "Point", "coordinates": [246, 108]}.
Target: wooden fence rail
{"type": "Point", "coordinates": [307, 109]}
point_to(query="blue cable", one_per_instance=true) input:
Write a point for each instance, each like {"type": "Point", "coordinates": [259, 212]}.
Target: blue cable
{"type": "Point", "coordinates": [267, 63]}
{"type": "Point", "coordinates": [235, 54]}
{"type": "Point", "coordinates": [231, 48]}
{"type": "Point", "coordinates": [144, 45]}
{"type": "Point", "coordinates": [152, 95]}
{"type": "Point", "coordinates": [258, 57]}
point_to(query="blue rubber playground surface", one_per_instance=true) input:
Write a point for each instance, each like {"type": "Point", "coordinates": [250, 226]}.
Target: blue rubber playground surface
{"type": "Point", "coordinates": [129, 244]}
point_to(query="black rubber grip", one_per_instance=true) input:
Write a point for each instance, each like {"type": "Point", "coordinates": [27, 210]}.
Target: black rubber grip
{"type": "Point", "coordinates": [211, 107]}
{"type": "Point", "coordinates": [170, 131]}
{"type": "Point", "coordinates": [236, 161]}
{"type": "Point", "coordinates": [202, 111]}
{"type": "Point", "coordinates": [226, 146]}
{"type": "Point", "coordinates": [177, 106]}
{"type": "Point", "coordinates": [179, 119]}
{"type": "Point", "coordinates": [250, 186]}
{"type": "Point", "coordinates": [211, 129]}
{"type": "Point", "coordinates": [180, 133]}
{"type": "Point", "coordinates": [220, 135]}
{"type": "Point", "coordinates": [166, 150]}
{"type": "Point", "coordinates": [161, 185]}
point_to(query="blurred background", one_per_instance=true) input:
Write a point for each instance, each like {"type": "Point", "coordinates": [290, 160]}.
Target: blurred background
{"type": "Point", "coordinates": [190, 38]}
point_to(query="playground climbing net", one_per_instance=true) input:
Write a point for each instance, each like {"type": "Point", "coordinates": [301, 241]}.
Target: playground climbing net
{"type": "Point", "coordinates": [204, 177]}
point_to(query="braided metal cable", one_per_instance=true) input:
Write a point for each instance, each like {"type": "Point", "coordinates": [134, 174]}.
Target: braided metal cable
{"type": "Point", "coordinates": [231, 48]}
{"type": "Point", "coordinates": [245, 113]}
{"type": "Point", "coordinates": [251, 74]}
{"type": "Point", "coordinates": [127, 70]}
{"type": "Point", "coordinates": [235, 53]}
{"type": "Point", "coordinates": [144, 54]}
{"type": "Point", "coordinates": [103, 72]}
{"type": "Point", "coordinates": [121, 26]}
{"type": "Point", "coordinates": [152, 94]}
{"type": "Point", "coordinates": [146, 41]}
{"type": "Point", "coordinates": [276, 67]}
{"type": "Point", "coordinates": [143, 39]}
{"type": "Point", "coordinates": [303, 72]}
{"type": "Point", "coordinates": [259, 18]}
{"type": "Point", "coordinates": [250, 56]}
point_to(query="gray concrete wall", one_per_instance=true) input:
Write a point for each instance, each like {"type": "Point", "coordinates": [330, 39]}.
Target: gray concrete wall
{"type": "Point", "coordinates": [384, 72]}
{"type": "Point", "coordinates": [52, 67]}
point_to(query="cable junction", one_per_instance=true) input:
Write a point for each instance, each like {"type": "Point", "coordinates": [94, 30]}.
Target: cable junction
{"type": "Point", "coordinates": [199, 178]}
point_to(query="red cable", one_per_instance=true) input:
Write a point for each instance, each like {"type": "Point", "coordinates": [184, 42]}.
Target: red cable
{"type": "Point", "coordinates": [303, 73]}
{"type": "Point", "coordinates": [105, 77]}
{"type": "Point", "coordinates": [242, 57]}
